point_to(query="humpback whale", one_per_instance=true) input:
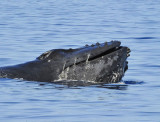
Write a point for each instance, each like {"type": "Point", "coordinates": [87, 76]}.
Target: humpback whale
{"type": "Point", "coordinates": [101, 63]}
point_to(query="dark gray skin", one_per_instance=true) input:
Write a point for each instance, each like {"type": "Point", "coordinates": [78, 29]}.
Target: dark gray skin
{"type": "Point", "coordinates": [104, 62]}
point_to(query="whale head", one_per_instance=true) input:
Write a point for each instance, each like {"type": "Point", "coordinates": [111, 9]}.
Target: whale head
{"type": "Point", "coordinates": [104, 62]}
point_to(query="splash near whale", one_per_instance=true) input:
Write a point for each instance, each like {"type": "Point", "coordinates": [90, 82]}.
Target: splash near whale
{"type": "Point", "coordinates": [100, 63]}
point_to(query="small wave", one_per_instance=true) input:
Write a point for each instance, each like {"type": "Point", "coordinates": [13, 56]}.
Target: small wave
{"type": "Point", "coordinates": [117, 86]}
{"type": "Point", "coordinates": [144, 37]}
{"type": "Point", "coordinates": [133, 82]}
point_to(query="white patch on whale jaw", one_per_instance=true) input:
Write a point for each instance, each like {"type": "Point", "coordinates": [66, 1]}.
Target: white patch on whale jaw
{"type": "Point", "coordinates": [116, 75]}
{"type": "Point", "coordinates": [64, 74]}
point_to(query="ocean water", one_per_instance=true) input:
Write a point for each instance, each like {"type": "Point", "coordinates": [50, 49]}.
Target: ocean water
{"type": "Point", "coordinates": [28, 28]}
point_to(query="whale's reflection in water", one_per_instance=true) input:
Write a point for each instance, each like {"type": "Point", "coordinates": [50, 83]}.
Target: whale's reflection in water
{"type": "Point", "coordinates": [65, 84]}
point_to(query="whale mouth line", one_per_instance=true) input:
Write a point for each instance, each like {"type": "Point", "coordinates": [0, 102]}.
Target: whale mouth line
{"type": "Point", "coordinates": [105, 53]}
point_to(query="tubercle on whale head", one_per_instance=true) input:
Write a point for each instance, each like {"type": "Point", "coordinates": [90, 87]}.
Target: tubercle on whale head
{"type": "Point", "coordinates": [92, 45]}
{"type": "Point", "coordinates": [86, 45]}
{"type": "Point", "coordinates": [97, 43]}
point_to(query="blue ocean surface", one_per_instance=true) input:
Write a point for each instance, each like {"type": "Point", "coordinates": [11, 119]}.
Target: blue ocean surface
{"type": "Point", "coordinates": [30, 27]}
